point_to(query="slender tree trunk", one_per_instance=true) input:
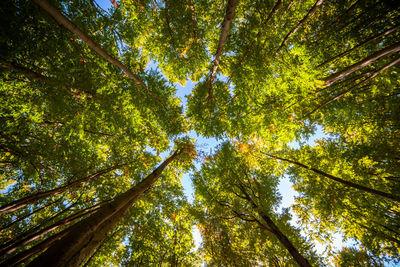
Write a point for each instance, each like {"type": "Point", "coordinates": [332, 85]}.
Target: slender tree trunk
{"type": "Point", "coordinates": [63, 222]}
{"type": "Point", "coordinates": [52, 12]}
{"type": "Point", "coordinates": [225, 26]}
{"type": "Point", "coordinates": [272, 228]}
{"type": "Point", "coordinates": [193, 19]}
{"type": "Point", "coordinates": [394, 48]}
{"type": "Point", "coordinates": [20, 257]}
{"type": "Point", "coordinates": [20, 69]}
{"type": "Point", "coordinates": [300, 24]}
{"type": "Point", "coordinates": [340, 180]}
{"type": "Point", "coordinates": [85, 236]}
{"type": "Point", "coordinates": [167, 20]}
{"type": "Point", "coordinates": [18, 204]}
{"type": "Point", "coordinates": [29, 214]}
{"type": "Point", "coordinates": [369, 40]}
{"type": "Point", "coordinates": [373, 75]}
{"type": "Point", "coordinates": [285, 242]}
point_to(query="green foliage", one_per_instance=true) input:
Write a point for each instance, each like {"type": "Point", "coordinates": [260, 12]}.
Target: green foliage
{"type": "Point", "coordinates": [66, 113]}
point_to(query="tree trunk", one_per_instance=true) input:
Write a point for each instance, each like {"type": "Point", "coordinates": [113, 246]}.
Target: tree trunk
{"type": "Point", "coordinates": [286, 242]}
{"type": "Point", "coordinates": [20, 69]}
{"type": "Point", "coordinates": [29, 214]}
{"type": "Point", "coordinates": [360, 45]}
{"type": "Point", "coordinates": [299, 25]}
{"type": "Point", "coordinates": [85, 236]}
{"type": "Point", "coordinates": [340, 180]}
{"type": "Point", "coordinates": [20, 203]}
{"type": "Point", "coordinates": [272, 228]}
{"type": "Point", "coordinates": [52, 12]}
{"type": "Point", "coordinates": [394, 48]}
{"type": "Point", "coordinates": [33, 250]}
{"type": "Point", "coordinates": [63, 222]}
{"type": "Point", "coordinates": [373, 75]}
{"type": "Point", "coordinates": [225, 26]}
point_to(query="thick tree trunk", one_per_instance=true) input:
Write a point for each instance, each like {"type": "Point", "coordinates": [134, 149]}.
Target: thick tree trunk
{"type": "Point", "coordinates": [286, 242]}
{"type": "Point", "coordinates": [225, 26]}
{"type": "Point", "coordinates": [369, 40]}
{"type": "Point", "coordinates": [18, 204]}
{"type": "Point", "coordinates": [340, 180]}
{"type": "Point", "coordinates": [300, 24]}
{"type": "Point", "coordinates": [85, 236]}
{"type": "Point", "coordinates": [394, 48]}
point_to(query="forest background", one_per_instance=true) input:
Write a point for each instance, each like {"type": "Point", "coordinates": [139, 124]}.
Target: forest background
{"type": "Point", "coordinates": [107, 108]}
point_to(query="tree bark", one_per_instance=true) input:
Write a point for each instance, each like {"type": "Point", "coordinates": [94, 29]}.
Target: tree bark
{"type": "Point", "coordinates": [18, 204]}
{"type": "Point", "coordinates": [285, 242]}
{"type": "Point", "coordinates": [394, 48]}
{"type": "Point", "coordinates": [300, 24]}
{"type": "Point", "coordinates": [373, 75]}
{"type": "Point", "coordinates": [225, 26]}
{"type": "Point", "coordinates": [33, 250]}
{"type": "Point", "coordinates": [29, 214]}
{"type": "Point", "coordinates": [63, 222]}
{"type": "Point", "coordinates": [272, 228]}
{"type": "Point", "coordinates": [369, 40]}
{"type": "Point", "coordinates": [340, 180]}
{"type": "Point", "coordinates": [85, 236]}
{"type": "Point", "coordinates": [52, 12]}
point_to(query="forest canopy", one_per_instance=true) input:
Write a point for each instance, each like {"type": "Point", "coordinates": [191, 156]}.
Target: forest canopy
{"type": "Point", "coordinates": [95, 139]}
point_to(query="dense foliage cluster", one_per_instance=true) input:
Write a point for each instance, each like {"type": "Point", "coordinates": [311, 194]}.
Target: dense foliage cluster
{"type": "Point", "coordinates": [89, 113]}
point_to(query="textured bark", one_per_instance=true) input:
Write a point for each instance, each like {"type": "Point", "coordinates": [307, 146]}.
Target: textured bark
{"type": "Point", "coordinates": [373, 75]}
{"type": "Point", "coordinates": [225, 26]}
{"type": "Point", "coordinates": [369, 40]}
{"type": "Point", "coordinates": [300, 24]}
{"type": "Point", "coordinates": [340, 180]}
{"type": "Point", "coordinates": [394, 48]}
{"type": "Point", "coordinates": [20, 257]}
{"type": "Point", "coordinates": [29, 214]}
{"type": "Point", "coordinates": [52, 12]}
{"type": "Point", "coordinates": [274, 229]}
{"type": "Point", "coordinates": [167, 20]}
{"type": "Point", "coordinates": [285, 242]}
{"type": "Point", "coordinates": [18, 204]}
{"type": "Point", "coordinates": [193, 19]}
{"type": "Point", "coordinates": [63, 222]}
{"type": "Point", "coordinates": [85, 236]}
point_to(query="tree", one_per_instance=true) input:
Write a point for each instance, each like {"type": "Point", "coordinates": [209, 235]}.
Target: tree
{"type": "Point", "coordinates": [89, 108]}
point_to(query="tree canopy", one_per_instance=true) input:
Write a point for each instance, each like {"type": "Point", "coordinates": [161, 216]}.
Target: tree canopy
{"type": "Point", "coordinates": [95, 137]}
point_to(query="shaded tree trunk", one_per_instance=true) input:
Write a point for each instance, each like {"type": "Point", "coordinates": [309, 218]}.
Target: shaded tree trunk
{"type": "Point", "coordinates": [299, 25]}
{"type": "Point", "coordinates": [394, 48]}
{"type": "Point", "coordinates": [18, 204]}
{"type": "Point", "coordinates": [340, 180]}
{"type": "Point", "coordinates": [285, 242]}
{"type": "Point", "coordinates": [52, 12]}
{"type": "Point", "coordinates": [369, 40]}
{"type": "Point", "coordinates": [373, 75]}
{"type": "Point", "coordinates": [84, 237]}
{"type": "Point", "coordinates": [63, 222]}
{"type": "Point", "coordinates": [225, 26]}
{"type": "Point", "coordinates": [29, 214]}
{"type": "Point", "coordinates": [274, 229]}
